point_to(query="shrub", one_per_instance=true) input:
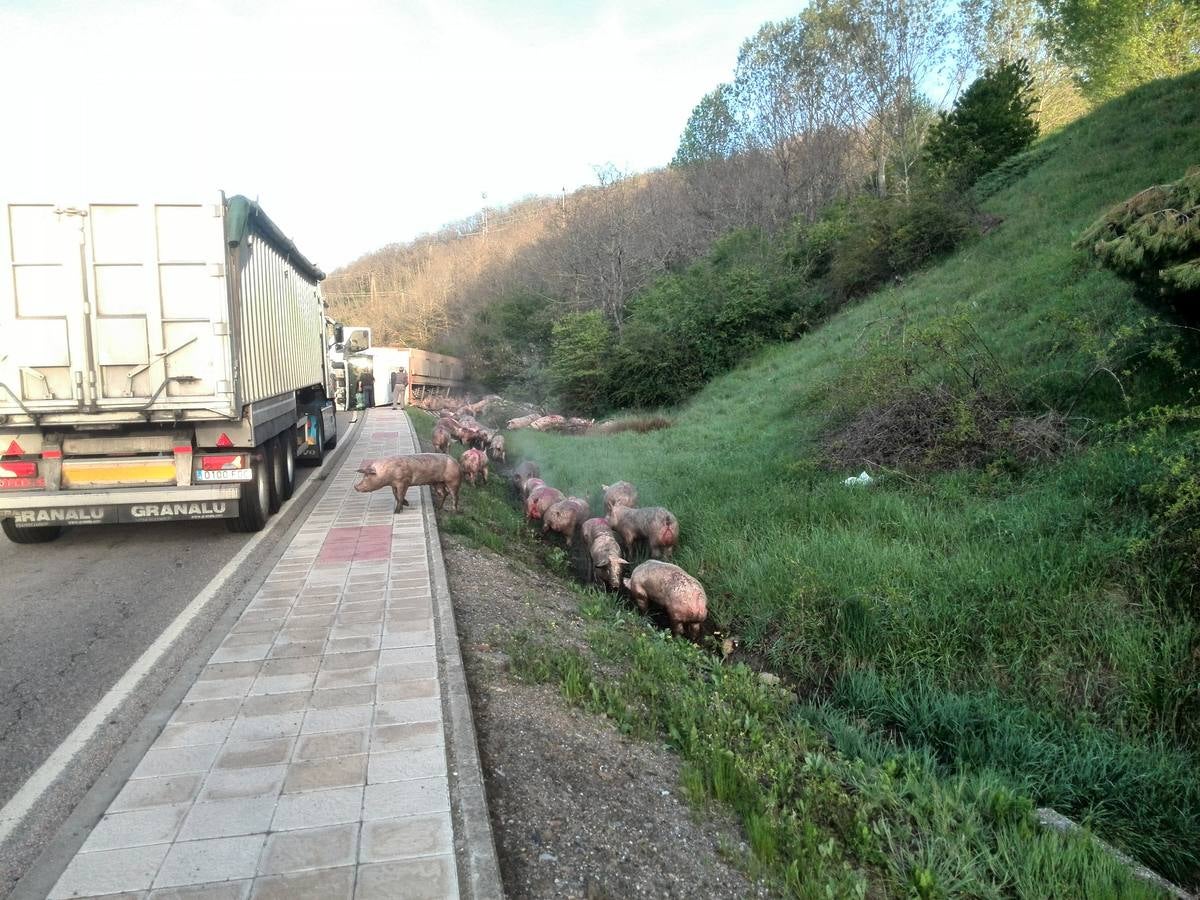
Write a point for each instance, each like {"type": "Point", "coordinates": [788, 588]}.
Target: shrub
{"type": "Point", "coordinates": [1153, 238]}
{"type": "Point", "coordinates": [686, 328]}
{"type": "Point", "coordinates": [888, 237]}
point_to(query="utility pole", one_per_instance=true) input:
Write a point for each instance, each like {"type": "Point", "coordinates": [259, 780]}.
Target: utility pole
{"type": "Point", "coordinates": [372, 290]}
{"type": "Point", "coordinates": [484, 196]}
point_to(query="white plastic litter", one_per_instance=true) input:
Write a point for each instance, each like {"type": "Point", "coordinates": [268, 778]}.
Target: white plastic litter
{"type": "Point", "coordinates": [861, 478]}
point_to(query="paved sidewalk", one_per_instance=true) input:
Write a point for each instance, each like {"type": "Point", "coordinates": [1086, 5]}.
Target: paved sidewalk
{"type": "Point", "coordinates": [309, 758]}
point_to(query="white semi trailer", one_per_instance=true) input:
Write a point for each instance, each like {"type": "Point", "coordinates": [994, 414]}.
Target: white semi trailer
{"type": "Point", "coordinates": [158, 362]}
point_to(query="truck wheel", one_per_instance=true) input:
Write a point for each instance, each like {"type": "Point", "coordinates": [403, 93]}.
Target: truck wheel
{"type": "Point", "coordinates": [254, 504]}
{"type": "Point", "coordinates": [275, 466]}
{"type": "Point", "coordinates": [287, 449]}
{"type": "Point", "coordinates": [332, 441]}
{"type": "Point", "coordinates": [41, 534]}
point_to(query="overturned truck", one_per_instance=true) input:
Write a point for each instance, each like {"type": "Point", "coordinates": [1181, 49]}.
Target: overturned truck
{"type": "Point", "coordinates": [158, 362]}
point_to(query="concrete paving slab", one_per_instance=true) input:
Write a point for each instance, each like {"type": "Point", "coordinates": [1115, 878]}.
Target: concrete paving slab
{"type": "Point", "coordinates": [312, 756]}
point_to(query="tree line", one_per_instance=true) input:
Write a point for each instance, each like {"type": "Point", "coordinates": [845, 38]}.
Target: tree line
{"type": "Point", "coordinates": [830, 162]}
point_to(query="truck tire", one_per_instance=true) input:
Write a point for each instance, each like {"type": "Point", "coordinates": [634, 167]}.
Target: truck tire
{"type": "Point", "coordinates": [41, 534]}
{"type": "Point", "coordinates": [274, 448]}
{"type": "Point", "coordinates": [287, 448]}
{"type": "Point", "coordinates": [331, 442]}
{"type": "Point", "coordinates": [254, 504]}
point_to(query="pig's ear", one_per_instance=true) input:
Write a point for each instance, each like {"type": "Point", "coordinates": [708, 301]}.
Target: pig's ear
{"type": "Point", "coordinates": [604, 487]}
{"type": "Point", "coordinates": [623, 562]}
{"type": "Point", "coordinates": [603, 565]}
{"type": "Point", "coordinates": [368, 470]}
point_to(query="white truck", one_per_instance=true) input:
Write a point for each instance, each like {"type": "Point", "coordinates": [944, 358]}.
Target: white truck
{"type": "Point", "coordinates": [356, 361]}
{"type": "Point", "coordinates": [159, 361]}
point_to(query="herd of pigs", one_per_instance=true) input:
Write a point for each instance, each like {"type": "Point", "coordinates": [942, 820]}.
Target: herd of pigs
{"type": "Point", "coordinates": [606, 540]}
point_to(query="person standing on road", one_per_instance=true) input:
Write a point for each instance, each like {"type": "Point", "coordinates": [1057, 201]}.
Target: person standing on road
{"type": "Point", "coordinates": [399, 384]}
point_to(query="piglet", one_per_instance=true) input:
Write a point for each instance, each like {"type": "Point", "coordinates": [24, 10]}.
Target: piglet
{"type": "Point", "coordinates": [474, 463]}
{"type": "Point", "coordinates": [540, 500]}
{"type": "Point", "coordinates": [441, 472]}
{"type": "Point", "coordinates": [604, 552]}
{"type": "Point", "coordinates": [654, 524]}
{"type": "Point", "coordinates": [564, 516]}
{"type": "Point", "coordinates": [677, 592]}
{"type": "Point", "coordinates": [621, 492]}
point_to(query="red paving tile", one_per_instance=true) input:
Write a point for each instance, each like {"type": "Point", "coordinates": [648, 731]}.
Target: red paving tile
{"type": "Point", "coordinates": [368, 542]}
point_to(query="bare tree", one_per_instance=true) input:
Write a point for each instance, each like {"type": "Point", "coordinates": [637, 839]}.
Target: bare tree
{"type": "Point", "coordinates": [892, 52]}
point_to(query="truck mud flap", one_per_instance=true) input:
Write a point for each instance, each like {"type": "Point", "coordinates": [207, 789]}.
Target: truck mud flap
{"type": "Point", "coordinates": [111, 514]}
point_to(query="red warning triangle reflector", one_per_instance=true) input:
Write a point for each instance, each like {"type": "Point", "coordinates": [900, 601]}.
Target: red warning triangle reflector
{"type": "Point", "coordinates": [14, 449]}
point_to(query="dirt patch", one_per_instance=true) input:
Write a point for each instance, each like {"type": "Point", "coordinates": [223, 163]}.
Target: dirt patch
{"type": "Point", "coordinates": [578, 809]}
{"type": "Point", "coordinates": [640, 424]}
{"type": "Point", "coordinates": [936, 429]}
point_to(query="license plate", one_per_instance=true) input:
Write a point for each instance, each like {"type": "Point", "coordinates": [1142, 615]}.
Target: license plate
{"type": "Point", "coordinates": [224, 475]}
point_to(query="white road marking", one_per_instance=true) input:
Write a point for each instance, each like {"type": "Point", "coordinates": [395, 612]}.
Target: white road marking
{"type": "Point", "coordinates": [23, 801]}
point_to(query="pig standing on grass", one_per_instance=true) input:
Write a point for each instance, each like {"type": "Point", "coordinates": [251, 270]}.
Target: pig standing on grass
{"type": "Point", "coordinates": [604, 552]}
{"type": "Point", "coordinates": [621, 492]}
{"type": "Point", "coordinates": [564, 516]}
{"type": "Point", "coordinates": [474, 463]}
{"type": "Point", "coordinates": [441, 472]}
{"type": "Point", "coordinates": [654, 524]}
{"type": "Point", "coordinates": [496, 449]}
{"type": "Point", "coordinates": [677, 592]}
{"type": "Point", "coordinates": [441, 438]}
{"type": "Point", "coordinates": [479, 438]}
{"type": "Point", "coordinates": [541, 499]}
{"type": "Point", "coordinates": [522, 474]}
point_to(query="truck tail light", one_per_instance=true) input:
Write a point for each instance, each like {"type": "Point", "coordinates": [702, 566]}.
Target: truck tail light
{"type": "Point", "coordinates": [16, 474]}
{"type": "Point", "coordinates": [218, 463]}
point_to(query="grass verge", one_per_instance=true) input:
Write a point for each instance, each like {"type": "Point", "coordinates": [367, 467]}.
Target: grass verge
{"type": "Point", "coordinates": [999, 621]}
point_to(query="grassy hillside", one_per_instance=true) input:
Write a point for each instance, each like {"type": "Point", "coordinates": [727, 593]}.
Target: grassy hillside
{"type": "Point", "coordinates": [998, 618]}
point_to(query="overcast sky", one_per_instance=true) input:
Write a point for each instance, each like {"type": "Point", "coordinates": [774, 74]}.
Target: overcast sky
{"type": "Point", "coordinates": [355, 123]}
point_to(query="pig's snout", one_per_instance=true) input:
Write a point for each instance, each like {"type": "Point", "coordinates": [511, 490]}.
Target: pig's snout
{"type": "Point", "coordinates": [371, 481]}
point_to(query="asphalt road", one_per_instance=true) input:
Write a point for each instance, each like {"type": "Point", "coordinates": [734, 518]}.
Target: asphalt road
{"type": "Point", "coordinates": [75, 614]}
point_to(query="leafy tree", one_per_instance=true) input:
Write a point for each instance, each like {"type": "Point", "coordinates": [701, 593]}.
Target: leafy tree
{"type": "Point", "coordinates": [506, 344]}
{"type": "Point", "coordinates": [1115, 45]}
{"type": "Point", "coordinates": [997, 30]}
{"type": "Point", "coordinates": [578, 353]}
{"type": "Point", "coordinates": [712, 130]}
{"type": "Point", "coordinates": [992, 120]}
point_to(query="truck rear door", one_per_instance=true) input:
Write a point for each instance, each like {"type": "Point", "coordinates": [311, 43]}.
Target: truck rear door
{"type": "Point", "coordinates": [113, 306]}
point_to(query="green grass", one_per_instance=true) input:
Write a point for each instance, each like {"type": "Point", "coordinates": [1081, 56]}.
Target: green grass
{"type": "Point", "coordinates": [828, 809]}
{"type": "Point", "coordinates": [998, 623]}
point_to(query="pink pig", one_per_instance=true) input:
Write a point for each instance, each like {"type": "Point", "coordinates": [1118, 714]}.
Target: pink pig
{"type": "Point", "coordinates": [474, 462]}
{"type": "Point", "coordinates": [677, 592]}
{"type": "Point", "coordinates": [441, 472]}
{"type": "Point", "coordinates": [540, 500]}
{"type": "Point", "coordinates": [564, 516]}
